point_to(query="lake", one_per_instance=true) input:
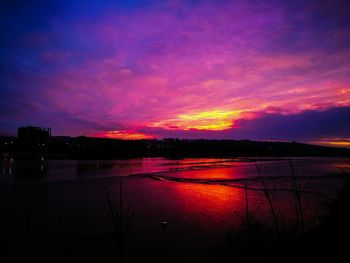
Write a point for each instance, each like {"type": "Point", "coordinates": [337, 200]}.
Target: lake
{"type": "Point", "coordinates": [59, 207]}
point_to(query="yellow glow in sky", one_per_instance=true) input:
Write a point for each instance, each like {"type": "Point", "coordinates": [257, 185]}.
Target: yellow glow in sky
{"type": "Point", "coordinates": [214, 120]}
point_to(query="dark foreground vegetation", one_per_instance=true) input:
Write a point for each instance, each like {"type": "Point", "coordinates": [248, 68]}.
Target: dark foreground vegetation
{"type": "Point", "coordinates": [99, 148]}
{"type": "Point", "coordinates": [326, 241]}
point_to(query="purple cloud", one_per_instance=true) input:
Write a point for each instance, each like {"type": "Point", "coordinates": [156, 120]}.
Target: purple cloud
{"type": "Point", "coordinates": [92, 68]}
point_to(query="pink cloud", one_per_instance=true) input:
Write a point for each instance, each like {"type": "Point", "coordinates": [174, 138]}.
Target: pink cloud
{"type": "Point", "coordinates": [136, 68]}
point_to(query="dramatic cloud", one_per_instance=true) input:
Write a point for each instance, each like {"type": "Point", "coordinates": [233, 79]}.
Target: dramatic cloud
{"type": "Point", "coordinates": [323, 127]}
{"type": "Point", "coordinates": [307, 125]}
{"type": "Point", "coordinates": [129, 69]}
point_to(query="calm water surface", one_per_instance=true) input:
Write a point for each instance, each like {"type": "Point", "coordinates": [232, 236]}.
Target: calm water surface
{"type": "Point", "coordinates": [199, 198]}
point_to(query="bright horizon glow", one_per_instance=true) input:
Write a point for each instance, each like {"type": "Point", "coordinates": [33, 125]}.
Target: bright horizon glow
{"type": "Point", "coordinates": [126, 135]}
{"type": "Point", "coordinates": [335, 142]}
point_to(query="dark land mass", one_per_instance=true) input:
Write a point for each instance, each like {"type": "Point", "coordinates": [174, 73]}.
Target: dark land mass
{"type": "Point", "coordinates": [102, 148]}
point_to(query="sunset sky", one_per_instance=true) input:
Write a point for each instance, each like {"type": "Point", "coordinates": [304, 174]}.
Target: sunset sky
{"type": "Point", "coordinates": [261, 70]}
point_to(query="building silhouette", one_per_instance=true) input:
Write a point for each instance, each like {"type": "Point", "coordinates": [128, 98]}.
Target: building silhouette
{"type": "Point", "coordinates": [33, 135]}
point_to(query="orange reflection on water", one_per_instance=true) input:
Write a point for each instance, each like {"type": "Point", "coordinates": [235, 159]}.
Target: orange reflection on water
{"type": "Point", "coordinates": [212, 173]}
{"type": "Point", "coordinates": [208, 203]}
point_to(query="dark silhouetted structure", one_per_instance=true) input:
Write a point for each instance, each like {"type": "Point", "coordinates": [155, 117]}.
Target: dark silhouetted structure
{"type": "Point", "coordinates": [33, 135]}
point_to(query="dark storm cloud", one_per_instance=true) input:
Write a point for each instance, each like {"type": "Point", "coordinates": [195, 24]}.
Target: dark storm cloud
{"type": "Point", "coordinates": [305, 126]}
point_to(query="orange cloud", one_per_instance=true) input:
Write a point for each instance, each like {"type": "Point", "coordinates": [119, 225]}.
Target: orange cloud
{"type": "Point", "coordinates": [214, 120]}
{"type": "Point", "coordinates": [127, 135]}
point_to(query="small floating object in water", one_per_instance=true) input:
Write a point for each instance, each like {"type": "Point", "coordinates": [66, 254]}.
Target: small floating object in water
{"type": "Point", "coordinates": [164, 225]}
